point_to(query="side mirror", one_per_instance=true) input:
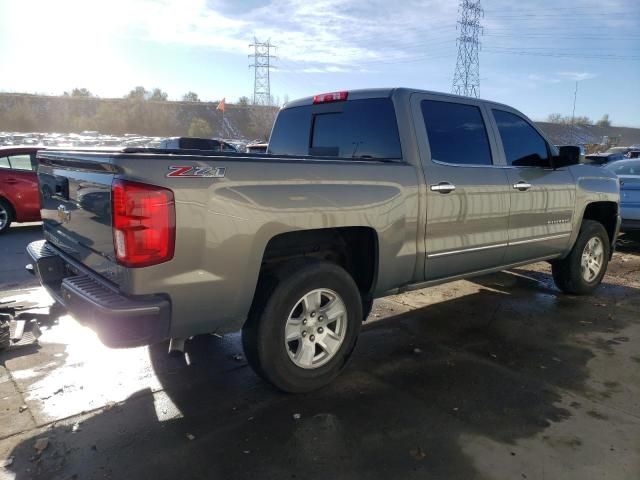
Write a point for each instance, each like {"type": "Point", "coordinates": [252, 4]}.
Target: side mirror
{"type": "Point", "coordinates": [567, 155]}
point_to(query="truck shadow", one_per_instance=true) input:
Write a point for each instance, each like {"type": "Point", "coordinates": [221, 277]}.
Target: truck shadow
{"type": "Point", "coordinates": [491, 364]}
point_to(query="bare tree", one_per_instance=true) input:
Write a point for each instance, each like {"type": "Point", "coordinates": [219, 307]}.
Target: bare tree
{"type": "Point", "coordinates": [190, 97]}
{"type": "Point", "coordinates": [604, 121]}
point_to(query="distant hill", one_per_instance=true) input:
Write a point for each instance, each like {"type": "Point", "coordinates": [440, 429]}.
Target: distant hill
{"type": "Point", "coordinates": [561, 134]}
{"type": "Point", "coordinates": [117, 116]}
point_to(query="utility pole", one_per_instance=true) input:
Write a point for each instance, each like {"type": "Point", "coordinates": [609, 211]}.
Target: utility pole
{"type": "Point", "coordinates": [573, 113]}
{"type": "Point", "coordinates": [466, 79]}
{"type": "Point", "coordinates": [261, 65]}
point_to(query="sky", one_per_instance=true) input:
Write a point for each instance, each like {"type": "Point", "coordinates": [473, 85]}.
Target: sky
{"type": "Point", "coordinates": [532, 53]}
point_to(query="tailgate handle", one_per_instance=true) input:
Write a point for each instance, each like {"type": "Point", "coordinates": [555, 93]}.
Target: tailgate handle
{"type": "Point", "coordinates": [62, 188]}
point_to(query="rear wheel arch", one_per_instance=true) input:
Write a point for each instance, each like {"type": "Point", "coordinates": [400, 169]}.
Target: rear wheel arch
{"type": "Point", "coordinates": [353, 248]}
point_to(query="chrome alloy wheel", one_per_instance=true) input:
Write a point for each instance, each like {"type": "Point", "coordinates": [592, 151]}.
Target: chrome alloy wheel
{"type": "Point", "coordinates": [316, 328]}
{"type": "Point", "coordinates": [592, 259]}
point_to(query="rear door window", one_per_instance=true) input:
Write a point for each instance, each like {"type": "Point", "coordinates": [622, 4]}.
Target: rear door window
{"type": "Point", "coordinates": [523, 145]}
{"type": "Point", "coordinates": [355, 129]}
{"type": "Point", "coordinates": [4, 162]}
{"type": "Point", "coordinates": [21, 162]}
{"type": "Point", "coordinates": [457, 133]}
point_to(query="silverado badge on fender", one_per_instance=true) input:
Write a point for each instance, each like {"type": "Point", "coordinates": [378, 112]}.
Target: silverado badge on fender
{"type": "Point", "coordinates": [190, 171]}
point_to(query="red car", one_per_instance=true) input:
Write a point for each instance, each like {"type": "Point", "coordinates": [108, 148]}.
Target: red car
{"type": "Point", "coordinates": [19, 196]}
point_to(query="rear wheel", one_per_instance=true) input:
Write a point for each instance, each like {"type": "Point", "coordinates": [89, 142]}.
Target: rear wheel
{"type": "Point", "coordinates": [583, 269]}
{"type": "Point", "coordinates": [6, 216]}
{"type": "Point", "coordinates": [303, 326]}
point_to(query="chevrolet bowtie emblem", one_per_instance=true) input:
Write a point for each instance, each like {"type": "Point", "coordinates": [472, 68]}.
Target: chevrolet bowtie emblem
{"type": "Point", "coordinates": [64, 215]}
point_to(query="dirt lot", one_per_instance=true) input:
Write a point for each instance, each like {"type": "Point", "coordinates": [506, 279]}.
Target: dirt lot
{"type": "Point", "coordinates": [502, 377]}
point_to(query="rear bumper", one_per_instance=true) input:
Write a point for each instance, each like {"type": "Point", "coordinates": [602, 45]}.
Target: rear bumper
{"type": "Point", "coordinates": [120, 320]}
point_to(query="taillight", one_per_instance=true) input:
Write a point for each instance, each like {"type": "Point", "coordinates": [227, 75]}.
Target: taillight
{"type": "Point", "coordinates": [144, 223]}
{"type": "Point", "coordinates": [331, 97]}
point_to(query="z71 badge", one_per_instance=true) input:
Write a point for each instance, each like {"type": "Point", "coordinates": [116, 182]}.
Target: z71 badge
{"type": "Point", "coordinates": [188, 171]}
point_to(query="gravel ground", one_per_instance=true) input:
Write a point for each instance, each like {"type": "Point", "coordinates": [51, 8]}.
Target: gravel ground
{"type": "Point", "coordinates": [502, 377]}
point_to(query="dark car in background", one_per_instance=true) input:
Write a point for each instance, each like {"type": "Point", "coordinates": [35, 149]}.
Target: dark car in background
{"type": "Point", "coordinates": [19, 197]}
{"type": "Point", "coordinates": [628, 171]}
{"type": "Point", "coordinates": [603, 158]}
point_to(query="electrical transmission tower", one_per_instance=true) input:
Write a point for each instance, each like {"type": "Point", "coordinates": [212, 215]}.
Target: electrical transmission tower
{"type": "Point", "coordinates": [466, 79]}
{"type": "Point", "coordinates": [261, 65]}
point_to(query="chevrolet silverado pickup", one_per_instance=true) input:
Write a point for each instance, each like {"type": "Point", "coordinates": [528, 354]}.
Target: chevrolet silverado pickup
{"type": "Point", "coordinates": [361, 194]}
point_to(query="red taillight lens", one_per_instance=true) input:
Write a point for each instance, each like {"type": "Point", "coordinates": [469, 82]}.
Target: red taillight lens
{"type": "Point", "coordinates": [331, 97]}
{"type": "Point", "coordinates": [144, 223]}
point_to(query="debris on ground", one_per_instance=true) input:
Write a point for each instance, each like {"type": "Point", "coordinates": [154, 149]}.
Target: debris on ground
{"type": "Point", "coordinates": [41, 444]}
{"type": "Point", "coordinates": [17, 332]}
{"type": "Point", "coordinates": [297, 416]}
{"type": "Point", "coordinates": [417, 351]}
{"type": "Point", "coordinates": [190, 436]}
{"type": "Point", "coordinates": [22, 408]}
{"type": "Point", "coordinates": [75, 427]}
{"type": "Point", "coordinates": [238, 358]}
{"type": "Point", "coordinates": [418, 453]}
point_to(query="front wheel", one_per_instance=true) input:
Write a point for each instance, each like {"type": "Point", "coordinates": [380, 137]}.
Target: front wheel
{"type": "Point", "coordinates": [583, 269]}
{"type": "Point", "coordinates": [303, 326]}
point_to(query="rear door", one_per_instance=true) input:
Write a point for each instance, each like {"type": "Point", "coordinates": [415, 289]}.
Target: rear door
{"type": "Point", "coordinates": [467, 190]}
{"type": "Point", "coordinates": [542, 198]}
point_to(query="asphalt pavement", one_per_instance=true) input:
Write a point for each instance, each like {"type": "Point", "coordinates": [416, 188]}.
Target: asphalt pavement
{"type": "Point", "coordinates": [13, 257]}
{"type": "Point", "coordinates": [502, 377]}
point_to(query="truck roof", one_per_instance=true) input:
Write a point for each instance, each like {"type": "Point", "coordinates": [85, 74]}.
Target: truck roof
{"type": "Point", "coordinates": [364, 93]}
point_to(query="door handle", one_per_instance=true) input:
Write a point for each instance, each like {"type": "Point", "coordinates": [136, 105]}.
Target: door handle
{"type": "Point", "coordinates": [11, 181]}
{"type": "Point", "coordinates": [443, 187]}
{"type": "Point", "coordinates": [522, 186]}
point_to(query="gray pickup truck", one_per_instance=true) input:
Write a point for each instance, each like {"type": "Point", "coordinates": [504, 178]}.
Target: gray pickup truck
{"type": "Point", "coordinates": [361, 194]}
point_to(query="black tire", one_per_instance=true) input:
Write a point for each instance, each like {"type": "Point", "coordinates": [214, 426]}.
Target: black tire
{"type": "Point", "coordinates": [567, 272]}
{"type": "Point", "coordinates": [276, 296]}
{"type": "Point", "coordinates": [367, 306]}
{"type": "Point", "coordinates": [5, 209]}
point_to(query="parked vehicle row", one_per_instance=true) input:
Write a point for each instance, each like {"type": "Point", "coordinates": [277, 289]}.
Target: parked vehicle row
{"type": "Point", "coordinates": [89, 138]}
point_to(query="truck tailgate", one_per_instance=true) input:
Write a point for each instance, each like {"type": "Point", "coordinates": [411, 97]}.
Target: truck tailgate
{"type": "Point", "coordinates": [75, 195]}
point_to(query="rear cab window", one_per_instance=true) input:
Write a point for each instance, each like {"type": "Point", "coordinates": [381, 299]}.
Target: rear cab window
{"type": "Point", "coordinates": [354, 129]}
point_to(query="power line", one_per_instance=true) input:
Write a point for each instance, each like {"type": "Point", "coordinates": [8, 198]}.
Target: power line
{"type": "Point", "coordinates": [261, 66]}
{"type": "Point", "coordinates": [466, 79]}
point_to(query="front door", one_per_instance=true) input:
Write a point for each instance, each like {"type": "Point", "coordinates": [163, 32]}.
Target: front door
{"type": "Point", "coordinates": [542, 198]}
{"type": "Point", "coordinates": [467, 190]}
